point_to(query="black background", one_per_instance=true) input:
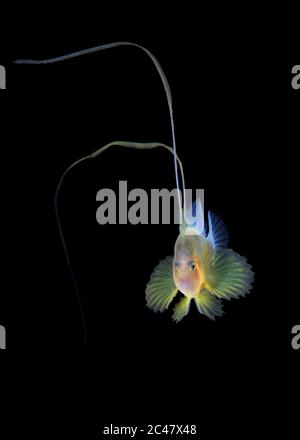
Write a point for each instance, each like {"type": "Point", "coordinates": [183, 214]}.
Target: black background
{"type": "Point", "coordinates": [236, 119]}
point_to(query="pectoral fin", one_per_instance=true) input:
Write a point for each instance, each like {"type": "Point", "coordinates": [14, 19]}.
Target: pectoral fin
{"type": "Point", "coordinates": [208, 305]}
{"type": "Point", "coordinates": [161, 289]}
{"type": "Point", "coordinates": [227, 274]}
{"type": "Point", "coordinates": [181, 309]}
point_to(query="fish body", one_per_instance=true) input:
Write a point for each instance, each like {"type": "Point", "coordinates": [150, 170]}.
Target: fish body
{"type": "Point", "coordinates": [203, 269]}
{"type": "Point", "coordinates": [188, 270]}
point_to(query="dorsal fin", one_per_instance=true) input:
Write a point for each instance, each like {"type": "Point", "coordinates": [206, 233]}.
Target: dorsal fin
{"type": "Point", "coordinates": [217, 231]}
{"type": "Point", "coordinates": [194, 219]}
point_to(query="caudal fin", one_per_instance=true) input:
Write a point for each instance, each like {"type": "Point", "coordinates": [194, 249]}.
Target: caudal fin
{"type": "Point", "coordinates": [217, 232]}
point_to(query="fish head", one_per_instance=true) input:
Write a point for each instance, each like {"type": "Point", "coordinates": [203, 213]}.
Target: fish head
{"type": "Point", "coordinates": [187, 271]}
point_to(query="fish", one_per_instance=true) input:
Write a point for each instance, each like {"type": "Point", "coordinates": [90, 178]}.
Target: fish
{"type": "Point", "coordinates": [203, 270]}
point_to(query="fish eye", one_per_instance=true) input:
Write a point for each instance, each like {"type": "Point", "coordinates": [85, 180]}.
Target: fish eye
{"type": "Point", "coordinates": [192, 266]}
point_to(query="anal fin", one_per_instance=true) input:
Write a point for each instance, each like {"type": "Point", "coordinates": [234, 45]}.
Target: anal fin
{"type": "Point", "coordinates": [181, 309]}
{"type": "Point", "coordinates": [208, 305]}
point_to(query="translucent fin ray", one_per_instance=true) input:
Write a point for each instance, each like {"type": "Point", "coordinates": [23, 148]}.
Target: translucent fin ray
{"type": "Point", "coordinates": [217, 231]}
{"type": "Point", "coordinates": [161, 289]}
{"type": "Point", "coordinates": [181, 309]}
{"type": "Point", "coordinates": [227, 274]}
{"type": "Point", "coordinates": [208, 305]}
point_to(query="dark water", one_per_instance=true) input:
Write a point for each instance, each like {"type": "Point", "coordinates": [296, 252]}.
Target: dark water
{"type": "Point", "coordinates": [236, 118]}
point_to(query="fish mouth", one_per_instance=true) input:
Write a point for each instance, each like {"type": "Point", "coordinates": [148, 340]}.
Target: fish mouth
{"type": "Point", "coordinates": [183, 284]}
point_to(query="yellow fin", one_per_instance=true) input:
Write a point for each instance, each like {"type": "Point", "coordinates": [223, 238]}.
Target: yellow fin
{"type": "Point", "coordinates": [227, 274]}
{"type": "Point", "coordinates": [181, 309]}
{"type": "Point", "coordinates": [208, 305]}
{"type": "Point", "coordinates": [161, 289]}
